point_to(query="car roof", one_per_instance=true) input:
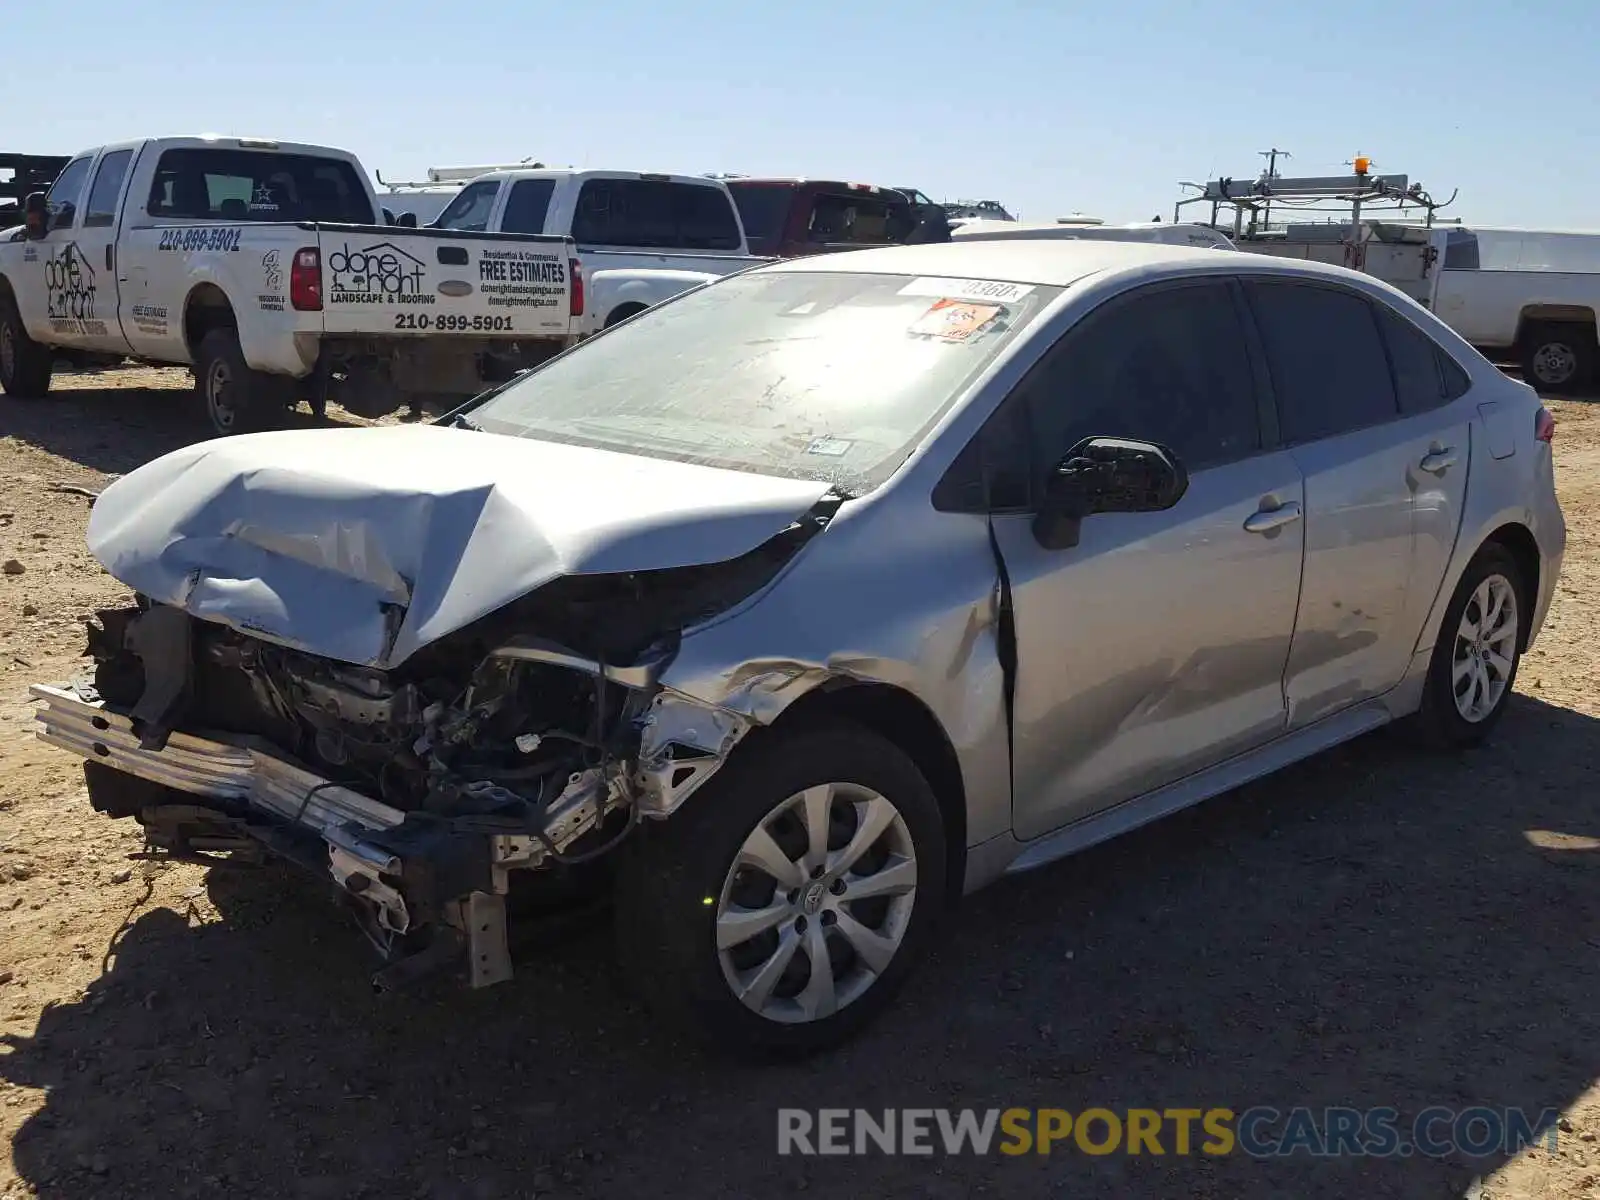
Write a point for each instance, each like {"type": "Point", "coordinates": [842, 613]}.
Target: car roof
{"type": "Point", "coordinates": [1052, 262]}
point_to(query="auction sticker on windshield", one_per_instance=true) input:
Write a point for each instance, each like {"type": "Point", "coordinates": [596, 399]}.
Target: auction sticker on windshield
{"type": "Point", "coordinates": [954, 320]}
{"type": "Point", "coordinates": [967, 289]}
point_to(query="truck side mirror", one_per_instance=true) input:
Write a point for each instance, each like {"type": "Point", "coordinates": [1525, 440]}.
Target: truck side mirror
{"type": "Point", "coordinates": [35, 215]}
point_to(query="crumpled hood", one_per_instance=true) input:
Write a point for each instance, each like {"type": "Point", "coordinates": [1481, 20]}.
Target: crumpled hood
{"type": "Point", "coordinates": [366, 544]}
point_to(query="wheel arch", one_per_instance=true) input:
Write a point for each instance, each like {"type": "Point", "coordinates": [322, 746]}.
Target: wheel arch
{"type": "Point", "coordinates": [898, 716]}
{"type": "Point", "coordinates": [1519, 542]}
{"type": "Point", "coordinates": [205, 308]}
{"type": "Point", "coordinates": [628, 308]}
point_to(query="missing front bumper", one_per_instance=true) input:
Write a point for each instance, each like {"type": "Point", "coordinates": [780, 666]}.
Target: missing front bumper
{"type": "Point", "coordinates": [418, 888]}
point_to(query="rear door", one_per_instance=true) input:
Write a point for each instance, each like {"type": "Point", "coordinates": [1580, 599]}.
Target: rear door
{"type": "Point", "coordinates": [1372, 476]}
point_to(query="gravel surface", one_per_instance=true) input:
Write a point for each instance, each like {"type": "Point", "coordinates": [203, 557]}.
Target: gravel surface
{"type": "Point", "coordinates": [1377, 927]}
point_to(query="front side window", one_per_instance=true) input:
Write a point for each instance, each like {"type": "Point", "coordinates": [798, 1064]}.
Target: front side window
{"type": "Point", "coordinates": [202, 184]}
{"type": "Point", "coordinates": [66, 193]}
{"type": "Point", "coordinates": [764, 212]}
{"type": "Point", "coordinates": [471, 209]}
{"type": "Point", "coordinates": [860, 220]}
{"type": "Point", "coordinates": [107, 187]}
{"type": "Point", "coordinates": [1169, 367]}
{"type": "Point", "coordinates": [1330, 374]}
{"type": "Point", "coordinates": [834, 376]}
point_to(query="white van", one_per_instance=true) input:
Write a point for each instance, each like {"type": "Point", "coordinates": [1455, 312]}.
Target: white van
{"type": "Point", "coordinates": [1202, 236]}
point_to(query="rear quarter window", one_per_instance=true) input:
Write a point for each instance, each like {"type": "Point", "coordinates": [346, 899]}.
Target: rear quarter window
{"type": "Point", "coordinates": [655, 214]}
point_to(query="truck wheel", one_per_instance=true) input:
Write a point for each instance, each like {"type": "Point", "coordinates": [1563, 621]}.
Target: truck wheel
{"type": "Point", "coordinates": [621, 314]}
{"type": "Point", "coordinates": [25, 365]}
{"type": "Point", "coordinates": [783, 906]}
{"type": "Point", "coordinates": [1558, 355]}
{"type": "Point", "coordinates": [233, 396]}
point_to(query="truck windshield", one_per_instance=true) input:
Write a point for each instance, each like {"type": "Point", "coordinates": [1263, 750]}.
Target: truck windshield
{"type": "Point", "coordinates": [200, 184]}
{"type": "Point", "coordinates": [832, 376]}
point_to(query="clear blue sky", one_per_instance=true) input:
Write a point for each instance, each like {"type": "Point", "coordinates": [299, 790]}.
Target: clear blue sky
{"type": "Point", "coordinates": [1049, 108]}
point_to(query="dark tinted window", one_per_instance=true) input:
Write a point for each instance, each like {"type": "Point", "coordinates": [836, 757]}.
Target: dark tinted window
{"type": "Point", "coordinates": [107, 187]}
{"type": "Point", "coordinates": [859, 219]}
{"type": "Point", "coordinates": [1168, 366]}
{"type": "Point", "coordinates": [66, 193]}
{"type": "Point", "coordinates": [526, 206]}
{"type": "Point", "coordinates": [1329, 370]}
{"type": "Point", "coordinates": [1460, 251]}
{"type": "Point", "coordinates": [763, 210]}
{"type": "Point", "coordinates": [655, 213]}
{"type": "Point", "coordinates": [1416, 363]}
{"type": "Point", "coordinates": [257, 185]}
{"type": "Point", "coordinates": [471, 209]}
{"type": "Point", "coordinates": [1456, 380]}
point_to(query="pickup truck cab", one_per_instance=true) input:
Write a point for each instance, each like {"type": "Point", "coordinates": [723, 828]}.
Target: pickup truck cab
{"type": "Point", "coordinates": [262, 264]}
{"type": "Point", "coordinates": [641, 237]}
{"type": "Point", "coordinates": [790, 218]}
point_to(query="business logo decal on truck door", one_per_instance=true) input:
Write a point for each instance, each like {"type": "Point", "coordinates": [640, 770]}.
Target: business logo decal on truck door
{"type": "Point", "coordinates": [377, 274]}
{"type": "Point", "coordinates": [69, 293]}
{"type": "Point", "coordinates": [270, 297]}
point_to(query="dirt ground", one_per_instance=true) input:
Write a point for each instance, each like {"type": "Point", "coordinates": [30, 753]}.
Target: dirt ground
{"type": "Point", "coordinates": [1377, 927]}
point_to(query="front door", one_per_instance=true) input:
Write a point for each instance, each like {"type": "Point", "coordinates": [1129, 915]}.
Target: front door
{"type": "Point", "coordinates": [59, 290]}
{"type": "Point", "coordinates": [1156, 646]}
{"type": "Point", "coordinates": [98, 251]}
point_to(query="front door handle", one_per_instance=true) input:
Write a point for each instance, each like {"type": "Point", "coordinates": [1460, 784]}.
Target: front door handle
{"type": "Point", "coordinates": [1439, 461]}
{"type": "Point", "coordinates": [1268, 519]}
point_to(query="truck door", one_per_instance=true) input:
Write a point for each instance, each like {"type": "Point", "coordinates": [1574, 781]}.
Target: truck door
{"type": "Point", "coordinates": [97, 247]}
{"type": "Point", "coordinates": [56, 289]}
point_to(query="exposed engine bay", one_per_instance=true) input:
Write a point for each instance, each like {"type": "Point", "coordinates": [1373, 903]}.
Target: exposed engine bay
{"type": "Point", "coordinates": [421, 789]}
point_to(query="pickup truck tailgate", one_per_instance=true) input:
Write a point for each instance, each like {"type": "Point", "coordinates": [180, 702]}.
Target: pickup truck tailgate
{"type": "Point", "coordinates": [395, 281]}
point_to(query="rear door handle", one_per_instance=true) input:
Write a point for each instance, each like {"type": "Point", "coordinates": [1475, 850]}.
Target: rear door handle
{"type": "Point", "coordinates": [1439, 461]}
{"type": "Point", "coordinates": [1268, 519]}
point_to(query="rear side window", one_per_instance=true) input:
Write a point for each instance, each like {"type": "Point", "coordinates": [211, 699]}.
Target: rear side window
{"type": "Point", "coordinates": [471, 209]}
{"type": "Point", "coordinates": [1419, 383]}
{"type": "Point", "coordinates": [257, 185]}
{"type": "Point", "coordinates": [764, 211]}
{"type": "Point", "coordinates": [113, 169]}
{"type": "Point", "coordinates": [864, 220]}
{"type": "Point", "coordinates": [1456, 381]}
{"type": "Point", "coordinates": [1330, 373]}
{"type": "Point", "coordinates": [1461, 251]}
{"type": "Point", "coordinates": [66, 193]}
{"type": "Point", "coordinates": [656, 213]}
{"type": "Point", "coordinates": [526, 206]}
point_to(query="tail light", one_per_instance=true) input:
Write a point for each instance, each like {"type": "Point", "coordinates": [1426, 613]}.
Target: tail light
{"type": "Point", "coordinates": [575, 273]}
{"type": "Point", "coordinates": [1544, 425]}
{"type": "Point", "coordinates": [305, 280]}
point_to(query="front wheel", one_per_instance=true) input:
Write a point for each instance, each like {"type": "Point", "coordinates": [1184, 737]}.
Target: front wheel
{"type": "Point", "coordinates": [1479, 648]}
{"type": "Point", "coordinates": [781, 909]}
{"type": "Point", "coordinates": [25, 365]}
{"type": "Point", "coordinates": [233, 396]}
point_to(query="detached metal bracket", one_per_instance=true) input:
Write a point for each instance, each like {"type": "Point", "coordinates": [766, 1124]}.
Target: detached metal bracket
{"type": "Point", "coordinates": [488, 957]}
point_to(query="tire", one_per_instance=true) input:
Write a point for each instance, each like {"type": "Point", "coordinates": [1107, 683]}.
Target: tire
{"type": "Point", "coordinates": [232, 396]}
{"type": "Point", "coordinates": [677, 881]}
{"type": "Point", "coordinates": [25, 365]}
{"type": "Point", "coordinates": [1558, 355]}
{"type": "Point", "coordinates": [1442, 721]}
{"type": "Point", "coordinates": [619, 315]}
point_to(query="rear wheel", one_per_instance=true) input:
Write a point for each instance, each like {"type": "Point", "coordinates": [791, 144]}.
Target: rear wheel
{"type": "Point", "coordinates": [234, 397]}
{"type": "Point", "coordinates": [1558, 355]}
{"type": "Point", "coordinates": [1479, 648]}
{"type": "Point", "coordinates": [25, 365]}
{"type": "Point", "coordinates": [781, 909]}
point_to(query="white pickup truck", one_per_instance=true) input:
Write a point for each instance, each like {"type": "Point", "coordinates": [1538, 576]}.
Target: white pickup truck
{"type": "Point", "coordinates": [642, 238]}
{"type": "Point", "coordinates": [263, 266]}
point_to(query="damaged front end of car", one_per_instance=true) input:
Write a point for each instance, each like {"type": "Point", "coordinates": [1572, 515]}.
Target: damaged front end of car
{"type": "Point", "coordinates": [531, 741]}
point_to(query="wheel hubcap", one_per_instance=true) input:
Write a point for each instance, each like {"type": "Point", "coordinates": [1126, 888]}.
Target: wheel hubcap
{"type": "Point", "coordinates": [1485, 649]}
{"type": "Point", "coordinates": [1554, 362]}
{"type": "Point", "coordinates": [219, 382]}
{"type": "Point", "coordinates": [817, 903]}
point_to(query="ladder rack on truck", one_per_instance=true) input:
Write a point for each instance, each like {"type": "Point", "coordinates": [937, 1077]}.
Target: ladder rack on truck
{"type": "Point", "coordinates": [20, 176]}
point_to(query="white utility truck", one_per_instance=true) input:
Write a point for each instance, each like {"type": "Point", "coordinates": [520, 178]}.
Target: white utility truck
{"type": "Point", "coordinates": [265, 267]}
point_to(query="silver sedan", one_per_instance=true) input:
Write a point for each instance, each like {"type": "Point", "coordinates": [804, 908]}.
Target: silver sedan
{"type": "Point", "coordinates": [822, 595]}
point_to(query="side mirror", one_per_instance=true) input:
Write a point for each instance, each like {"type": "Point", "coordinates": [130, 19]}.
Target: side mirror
{"type": "Point", "coordinates": [1105, 474]}
{"type": "Point", "coordinates": [35, 215]}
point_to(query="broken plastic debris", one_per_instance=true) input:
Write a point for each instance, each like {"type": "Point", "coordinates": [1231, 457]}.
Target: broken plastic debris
{"type": "Point", "coordinates": [528, 742]}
